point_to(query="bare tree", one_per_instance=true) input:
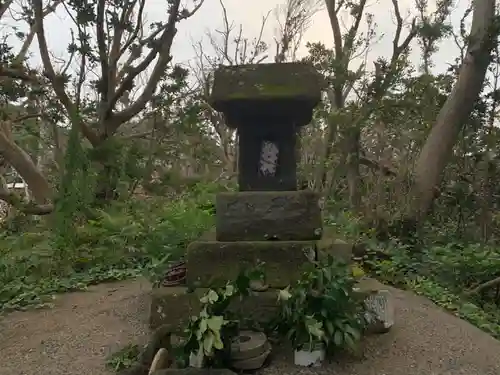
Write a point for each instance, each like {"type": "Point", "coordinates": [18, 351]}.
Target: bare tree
{"type": "Point", "coordinates": [15, 73]}
{"type": "Point", "coordinates": [121, 51]}
{"type": "Point", "coordinates": [294, 18]}
{"type": "Point", "coordinates": [348, 46]}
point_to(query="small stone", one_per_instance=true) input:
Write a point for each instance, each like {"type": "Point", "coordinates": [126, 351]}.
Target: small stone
{"type": "Point", "coordinates": [381, 311]}
{"type": "Point", "coordinates": [248, 345]}
{"type": "Point", "coordinates": [258, 286]}
{"type": "Point", "coordinates": [160, 361]}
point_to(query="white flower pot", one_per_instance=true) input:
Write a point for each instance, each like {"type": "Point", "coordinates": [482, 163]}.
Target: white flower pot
{"type": "Point", "coordinates": [197, 359]}
{"type": "Point", "coordinates": [306, 357]}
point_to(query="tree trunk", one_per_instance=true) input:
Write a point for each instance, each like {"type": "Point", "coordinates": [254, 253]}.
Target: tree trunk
{"type": "Point", "coordinates": [24, 165]}
{"type": "Point", "coordinates": [455, 112]}
{"type": "Point", "coordinates": [354, 181]}
{"type": "Point", "coordinates": [107, 160]}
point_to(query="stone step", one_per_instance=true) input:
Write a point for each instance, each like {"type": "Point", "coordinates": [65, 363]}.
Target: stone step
{"type": "Point", "coordinates": [194, 371]}
{"type": "Point", "coordinates": [176, 305]}
{"type": "Point", "coordinates": [268, 215]}
{"type": "Point", "coordinates": [212, 263]}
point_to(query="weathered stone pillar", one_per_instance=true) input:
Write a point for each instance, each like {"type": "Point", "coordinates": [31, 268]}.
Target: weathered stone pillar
{"type": "Point", "coordinates": [268, 220]}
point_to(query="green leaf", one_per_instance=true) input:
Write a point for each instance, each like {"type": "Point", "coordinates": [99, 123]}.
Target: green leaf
{"type": "Point", "coordinates": [212, 296]}
{"type": "Point", "coordinates": [349, 340]}
{"type": "Point", "coordinates": [284, 294]}
{"type": "Point", "coordinates": [338, 338]}
{"type": "Point", "coordinates": [229, 290]}
{"type": "Point", "coordinates": [202, 328]}
{"type": "Point", "coordinates": [215, 323]}
{"type": "Point", "coordinates": [208, 343]}
{"type": "Point", "coordinates": [316, 330]}
{"type": "Point", "coordinates": [353, 332]}
{"type": "Point", "coordinates": [218, 344]}
{"type": "Point", "coordinates": [329, 328]}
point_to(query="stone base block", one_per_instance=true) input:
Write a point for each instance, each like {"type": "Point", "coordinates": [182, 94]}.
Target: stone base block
{"type": "Point", "coordinates": [214, 263]}
{"type": "Point", "coordinates": [268, 215]}
{"type": "Point", "coordinates": [175, 306]}
{"type": "Point", "coordinates": [194, 371]}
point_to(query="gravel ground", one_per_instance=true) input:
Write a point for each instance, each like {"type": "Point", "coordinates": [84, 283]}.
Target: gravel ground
{"type": "Point", "coordinates": [75, 337]}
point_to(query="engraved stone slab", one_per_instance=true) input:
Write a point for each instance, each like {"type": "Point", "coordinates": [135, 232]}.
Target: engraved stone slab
{"type": "Point", "coordinates": [271, 215]}
{"type": "Point", "coordinates": [176, 305]}
{"type": "Point", "coordinates": [381, 306]}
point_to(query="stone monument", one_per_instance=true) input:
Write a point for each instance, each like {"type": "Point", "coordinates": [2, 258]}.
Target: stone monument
{"type": "Point", "coordinates": [268, 220]}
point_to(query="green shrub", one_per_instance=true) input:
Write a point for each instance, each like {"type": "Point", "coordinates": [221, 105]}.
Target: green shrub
{"type": "Point", "coordinates": [124, 240]}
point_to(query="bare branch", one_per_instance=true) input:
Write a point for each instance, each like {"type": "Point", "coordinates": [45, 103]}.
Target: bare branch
{"type": "Point", "coordinates": [56, 80]}
{"type": "Point", "coordinates": [102, 48]}
{"type": "Point", "coordinates": [30, 208]}
{"type": "Point", "coordinates": [5, 6]}
{"type": "Point", "coordinates": [297, 17]}
{"type": "Point", "coordinates": [397, 48]}
{"type": "Point", "coordinates": [186, 14]}
{"type": "Point", "coordinates": [18, 73]}
{"type": "Point", "coordinates": [161, 49]}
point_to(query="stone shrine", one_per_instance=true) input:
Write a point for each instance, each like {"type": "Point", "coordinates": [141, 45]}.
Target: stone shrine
{"type": "Point", "coordinates": [268, 220]}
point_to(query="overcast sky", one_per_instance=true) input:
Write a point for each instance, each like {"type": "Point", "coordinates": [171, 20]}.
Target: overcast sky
{"type": "Point", "coordinates": [249, 14]}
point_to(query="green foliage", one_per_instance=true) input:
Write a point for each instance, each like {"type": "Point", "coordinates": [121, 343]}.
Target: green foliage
{"type": "Point", "coordinates": [444, 270]}
{"type": "Point", "coordinates": [122, 241]}
{"type": "Point", "coordinates": [209, 334]}
{"type": "Point", "coordinates": [322, 306]}
{"type": "Point", "coordinates": [73, 194]}
{"type": "Point", "coordinates": [445, 274]}
{"type": "Point", "coordinates": [124, 358]}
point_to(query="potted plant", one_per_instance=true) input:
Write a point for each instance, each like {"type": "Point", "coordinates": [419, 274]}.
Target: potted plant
{"type": "Point", "coordinates": [209, 334]}
{"type": "Point", "coordinates": [321, 312]}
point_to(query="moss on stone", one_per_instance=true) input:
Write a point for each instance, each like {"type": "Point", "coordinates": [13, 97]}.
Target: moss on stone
{"type": "Point", "coordinates": [290, 81]}
{"type": "Point", "coordinates": [214, 263]}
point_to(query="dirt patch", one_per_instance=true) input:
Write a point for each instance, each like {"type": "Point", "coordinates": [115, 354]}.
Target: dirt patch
{"type": "Point", "coordinates": [77, 335]}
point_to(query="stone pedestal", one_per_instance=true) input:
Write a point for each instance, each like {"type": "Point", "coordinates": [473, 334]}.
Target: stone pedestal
{"type": "Point", "coordinates": [267, 220]}
{"type": "Point", "coordinates": [176, 305]}
{"type": "Point", "coordinates": [268, 215]}
{"type": "Point", "coordinates": [212, 263]}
